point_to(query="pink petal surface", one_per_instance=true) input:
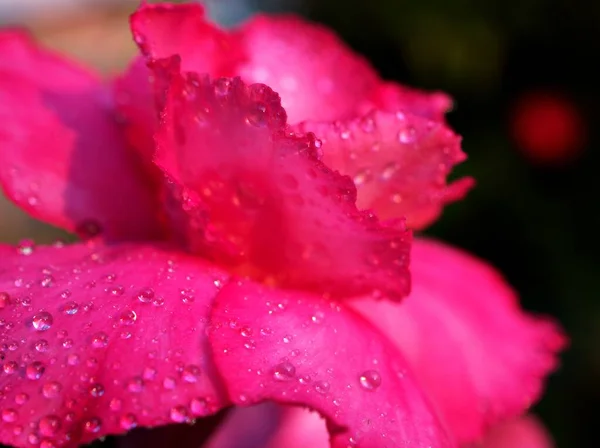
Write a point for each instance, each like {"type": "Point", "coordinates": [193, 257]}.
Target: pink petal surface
{"type": "Point", "coordinates": [136, 105]}
{"type": "Point", "coordinates": [399, 163]}
{"type": "Point", "coordinates": [63, 159]}
{"type": "Point", "coordinates": [294, 348]}
{"type": "Point", "coordinates": [478, 354]}
{"type": "Point", "coordinates": [393, 97]}
{"type": "Point", "coordinates": [97, 340]}
{"type": "Point", "coordinates": [316, 74]}
{"type": "Point", "coordinates": [524, 432]}
{"type": "Point", "coordinates": [269, 425]}
{"type": "Point", "coordinates": [261, 202]}
{"type": "Point", "coordinates": [165, 30]}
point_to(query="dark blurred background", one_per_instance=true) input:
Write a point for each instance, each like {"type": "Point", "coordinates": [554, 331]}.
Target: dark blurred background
{"type": "Point", "coordinates": [525, 83]}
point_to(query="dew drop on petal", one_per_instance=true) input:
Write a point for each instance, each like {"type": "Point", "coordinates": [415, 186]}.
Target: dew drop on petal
{"type": "Point", "coordinates": [41, 345]}
{"type": "Point", "coordinates": [70, 308]}
{"type": "Point", "coordinates": [128, 421]}
{"type": "Point", "coordinates": [370, 380]}
{"type": "Point", "coordinates": [284, 371]}
{"type": "Point", "coordinates": [49, 425]}
{"type": "Point", "coordinates": [190, 373]}
{"type": "Point", "coordinates": [100, 340]}
{"type": "Point", "coordinates": [179, 414]}
{"type": "Point", "coordinates": [93, 425]}
{"type": "Point", "coordinates": [9, 415]}
{"type": "Point", "coordinates": [96, 390]}
{"type": "Point", "coordinates": [146, 295]}
{"type": "Point", "coordinates": [35, 370]}
{"type": "Point", "coordinates": [322, 387]}
{"type": "Point", "coordinates": [42, 321]}
{"type": "Point", "coordinates": [51, 389]}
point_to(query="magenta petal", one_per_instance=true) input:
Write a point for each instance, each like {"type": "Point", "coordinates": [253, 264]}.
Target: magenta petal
{"type": "Point", "coordinates": [165, 30]}
{"type": "Point", "coordinates": [62, 158]}
{"type": "Point", "coordinates": [97, 340]}
{"type": "Point", "coordinates": [260, 200]}
{"type": "Point", "coordinates": [490, 358]}
{"type": "Point", "coordinates": [399, 162]}
{"type": "Point", "coordinates": [295, 348]}
{"type": "Point", "coordinates": [316, 74]}
{"type": "Point", "coordinates": [523, 432]}
{"type": "Point", "coordinates": [269, 425]}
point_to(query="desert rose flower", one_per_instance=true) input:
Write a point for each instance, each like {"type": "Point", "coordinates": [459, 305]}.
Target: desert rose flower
{"type": "Point", "coordinates": [246, 200]}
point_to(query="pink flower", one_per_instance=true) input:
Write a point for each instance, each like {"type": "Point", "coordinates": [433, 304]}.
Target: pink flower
{"type": "Point", "coordinates": [233, 258]}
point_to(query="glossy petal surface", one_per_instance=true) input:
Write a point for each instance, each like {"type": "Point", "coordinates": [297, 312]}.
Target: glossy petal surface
{"type": "Point", "coordinates": [399, 163]}
{"type": "Point", "coordinates": [165, 30]}
{"type": "Point", "coordinates": [299, 349]}
{"type": "Point", "coordinates": [260, 201]}
{"type": "Point", "coordinates": [524, 432]}
{"type": "Point", "coordinates": [97, 340]}
{"type": "Point", "coordinates": [63, 159]}
{"type": "Point", "coordinates": [316, 74]}
{"type": "Point", "coordinates": [478, 354]}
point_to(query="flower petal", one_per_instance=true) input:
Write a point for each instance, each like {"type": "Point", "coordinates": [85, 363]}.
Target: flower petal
{"type": "Point", "coordinates": [393, 97]}
{"type": "Point", "coordinates": [294, 348]}
{"type": "Point", "coordinates": [165, 30]}
{"type": "Point", "coordinates": [97, 340]}
{"type": "Point", "coordinates": [261, 202]}
{"type": "Point", "coordinates": [399, 163]}
{"type": "Point", "coordinates": [524, 432]}
{"type": "Point", "coordinates": [316, 74]}
{"type": "Point", "coordinates": [490, 356]}
{"type": "Point", "coordinates": [62, 157]}
{"type": "Point", "coordinates": [269, 425]}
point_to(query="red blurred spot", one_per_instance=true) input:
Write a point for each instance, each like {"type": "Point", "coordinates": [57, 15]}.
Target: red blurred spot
{"type": "Point", "coordinates": [548, 127]}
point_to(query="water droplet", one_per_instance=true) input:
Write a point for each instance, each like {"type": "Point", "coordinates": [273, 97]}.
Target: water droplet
{"type": "Point", "coordinates": [287, 339]}
{"type": "Point", "coordinates": [96, 390]}
{"type": "Point", "coordinates": [21, 398]}
{"type": "Point", "coordinates": [4, 300]}
{"type": "Point", "coordinates": [318, 317]}
{"type": "Point", "coordinates": [222, 87]}
{"type": "Point", "coordinates": [407, 135]}
{"type": "Point", "coordinates": [70, 308]}
{"type": "Point", "coordinates": [73, 359]}
{"type": "Point", "coordinates": [149, 373]}
{"type": "Point", "coordinates": [49, 425]}
{"type": "Point", "coordinates": [47, 281]}
{"type": "Point", "coordinates": [128, 421]}
{"type": "Point", "coordinates": [370, 380]}
{"type": "Point", "coordinates": [93, 425]}
{"type": "Point", "coordinates": [42, 321]}
{"type": "Point", "coordinates": [199, 406]}
{"type": "Point", "coordinates": [135, 384]}
{"type": "Point", "coordinates": [51, 389]}
{"type": "Point", "coordinates": [388, 171]}
{"type": "Point", "coordinates": [187, 295]}
{"type": "Point", "coordinates": [246, 332]}
{"type": "Point", "coordinates": [179, 414]}
{"type": "Point", "coordinates": [146, 295]}
{"type": "Point", "coordinates": [257, 116]}
{"type": "Point", "coordinates": [284, 371]}
{"type": "Point", "coordinates": [9, 415]}
{"type": "Point", "coordinates": [35, 370]}
{"type": "Point", "coordinates": [67, 343]}
{"type": "Point", "coordinates": [362, 177]}
{"type": "Point", "coordinates": [41, 345]}
{"type": "Point", "coordinates": [115, 404]}
{"type": "Point", "coordinates": [100, 340]}
{"type": "Point", "coordinates": [10, 367]}
{"type": "Point", "coordinates": [322, 387]}
{"type": "Point", "coordinates": [25, 247]}
{"type": "Point", "coordinates": [169, 383]}
{"type": "Point", "coordinates": [190, 373]}
{"type": "Point", "coordinates": [128, 317]}
{"type": "Point", "coordinates": [115, 290]}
